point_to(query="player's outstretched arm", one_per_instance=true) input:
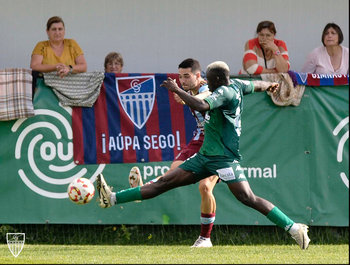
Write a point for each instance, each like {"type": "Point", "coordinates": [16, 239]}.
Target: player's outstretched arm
{"type": "Point", "coordinates": [201, 95]}
{"type": "Point", "coordinates": [260, 86]}
{"type": "Point", "coordinates": [191, 101]}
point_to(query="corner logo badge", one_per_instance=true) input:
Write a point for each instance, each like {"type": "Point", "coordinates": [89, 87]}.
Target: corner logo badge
{"type": "Point", "coordinates": [15, 242]}
{"type": "Point", "coordinates": [136, 95]}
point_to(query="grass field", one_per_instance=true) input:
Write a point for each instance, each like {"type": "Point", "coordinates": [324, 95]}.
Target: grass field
{"type": "Point", "coordinates": [243, 254]}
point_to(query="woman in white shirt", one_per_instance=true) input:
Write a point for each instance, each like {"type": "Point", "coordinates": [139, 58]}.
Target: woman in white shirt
{"type": "Point", "coordinates": [331, 58]}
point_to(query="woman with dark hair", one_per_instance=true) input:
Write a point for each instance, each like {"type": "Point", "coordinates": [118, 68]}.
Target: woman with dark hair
{"type": "Point", "coordinates": [265, 54]}
{"type": "Point", "coordinates": [331, 58]}
{"type": "Point", "coordinates": [58, 54]}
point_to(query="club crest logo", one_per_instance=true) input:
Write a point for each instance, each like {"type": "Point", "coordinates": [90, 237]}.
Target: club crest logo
{"type": "Point", "coordinates": [15, 242]}
{"type": "Point", "coordinates": [137, 96]}
{"type": "Point", "coordinates": [303, 77]}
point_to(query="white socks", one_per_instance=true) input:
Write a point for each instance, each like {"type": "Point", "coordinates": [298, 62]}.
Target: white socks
{"type": "Point", "coordinates": [295, 227]}
{"type": "Point", "coordinates": [113, 198]}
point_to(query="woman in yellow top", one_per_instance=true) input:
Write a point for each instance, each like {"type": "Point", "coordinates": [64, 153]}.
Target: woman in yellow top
{"type": "Point", "coordinates": [58, 54]}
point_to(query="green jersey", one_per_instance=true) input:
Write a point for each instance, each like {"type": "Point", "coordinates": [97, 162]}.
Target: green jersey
{"type": "Point", "coordinates": [222, 127]}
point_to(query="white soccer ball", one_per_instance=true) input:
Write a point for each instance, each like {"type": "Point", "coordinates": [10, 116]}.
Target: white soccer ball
{"type": "Point", "coordinates": [81, 191]}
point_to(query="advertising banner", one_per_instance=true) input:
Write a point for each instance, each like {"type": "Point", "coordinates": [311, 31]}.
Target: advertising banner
{"type": "Point", "coordinates": [295, 157]}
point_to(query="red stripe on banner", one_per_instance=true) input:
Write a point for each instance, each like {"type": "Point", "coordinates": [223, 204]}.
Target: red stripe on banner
{"type": "Point", "coordinates": [152, 128]}
{"type": "Point", "coordinates": [340, 80]}
{"type": "Point", "coordinates": [312, 81]}
{"type": "Point", "coordinates": [177, 120]}
{"type": "Point", "coordinates": [78, 144]}
{"type": "Point", "coordinates": [101, 128]}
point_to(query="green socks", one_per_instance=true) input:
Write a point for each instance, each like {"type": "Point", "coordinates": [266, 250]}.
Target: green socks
{"type": "Point", "coordinates": [280, 219]}
{"type": "Point", "coordinates": [275, 215]}
{"type": "Point", "coordinates": [129, 195]}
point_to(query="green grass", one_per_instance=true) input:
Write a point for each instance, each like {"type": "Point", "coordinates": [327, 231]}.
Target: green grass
{"type": "Point", "coordinates": [170, 244]}
{"type": "Point", "coordinates": [184, 235]}
{"type": "Point", "coordinates": [243, 254]}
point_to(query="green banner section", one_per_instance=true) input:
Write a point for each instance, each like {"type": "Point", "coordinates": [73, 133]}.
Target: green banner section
{"type": "Point", "coordinates": [296, 157]}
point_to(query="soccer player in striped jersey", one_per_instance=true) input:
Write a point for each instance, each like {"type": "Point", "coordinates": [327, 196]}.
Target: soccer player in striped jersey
{"type": "Point", "coordinates": [193, 83]}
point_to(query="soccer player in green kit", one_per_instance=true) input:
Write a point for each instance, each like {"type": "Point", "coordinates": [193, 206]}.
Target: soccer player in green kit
{"type": "Point", "coordinates": [219, 154]}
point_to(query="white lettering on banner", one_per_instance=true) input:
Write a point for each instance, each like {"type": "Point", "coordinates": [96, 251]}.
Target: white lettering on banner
{"type": "Point", "coordinates": [120, 142]}
{"type": "Point", "coordinates": [156, 171]}
{"type": "Point", "coordinates": [319, 76]}
{"type": "Point", "coordinates": [51, 148]}
{"type": "Point", "coordinates": [267, 172]}
{"type": "Point", "coordinates": [150, 172]}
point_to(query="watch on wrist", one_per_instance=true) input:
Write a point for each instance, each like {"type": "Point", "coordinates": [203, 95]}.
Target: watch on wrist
{"type": "Point", "coordinates": [70, 69]}
{"type": "Point", "coordinates": [277, 52]}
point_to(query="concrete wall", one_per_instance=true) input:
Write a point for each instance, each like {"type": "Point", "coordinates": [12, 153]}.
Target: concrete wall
{"type": "Point", "coordinates": [156, 35]}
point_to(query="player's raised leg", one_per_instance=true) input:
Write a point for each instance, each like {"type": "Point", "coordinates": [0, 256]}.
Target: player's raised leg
{"type": "Point", "coordinates": [174, 179]}
{"type": "Point", "coordinates": [242, 191]}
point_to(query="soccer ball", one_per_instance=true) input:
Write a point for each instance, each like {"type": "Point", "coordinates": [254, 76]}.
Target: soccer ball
{"type": "Point", "coordinates": [81, 191]}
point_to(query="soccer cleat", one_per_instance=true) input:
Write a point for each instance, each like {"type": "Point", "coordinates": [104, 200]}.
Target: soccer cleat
{"type": "Point", "coordinates": [135, 178]}
{"type": "Point", "coordinates": [301, 236]}
{"type": "Point", "coordinates": [202, 242]}
{"type": "Point", "coordinates": [104, 192]}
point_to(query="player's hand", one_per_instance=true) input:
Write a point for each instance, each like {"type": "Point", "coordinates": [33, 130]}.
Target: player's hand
{"type": "Point", "coordinates": [274, 87]}
{"type": "Point", "coordinates": [170, 84]}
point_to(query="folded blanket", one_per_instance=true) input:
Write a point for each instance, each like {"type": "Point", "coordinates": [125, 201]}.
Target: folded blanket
{"type": "Point", "coordinates": [16, 94]}
{"type": "Point", "coordinates": [79, 90]}
{"type": "Point", "coordinates": [289, 93]}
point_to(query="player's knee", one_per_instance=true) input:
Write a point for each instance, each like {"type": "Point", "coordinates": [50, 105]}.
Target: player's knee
{"type": "Point", "coordinates": [173, 180]}
{"type": "Point", "coordinates": [247, 198]}
{"type": "Point", "coordinates": [205, 190]}
{"type": "Point", "coordinates": [162, 184]}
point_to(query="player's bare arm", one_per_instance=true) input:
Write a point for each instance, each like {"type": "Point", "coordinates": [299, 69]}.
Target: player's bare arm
{"type": "Point", "coordinates": [178, 99]}
{"type": "Point", "coordinates": [191, 101]}
{"type": "Point", "coordinates": [260, 86]}
{"type": "Point", "coordinates": [201, 95]}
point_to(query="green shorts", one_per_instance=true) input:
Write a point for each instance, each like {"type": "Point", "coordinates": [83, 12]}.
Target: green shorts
{"type": "Point", "coordinates": [204, 166]}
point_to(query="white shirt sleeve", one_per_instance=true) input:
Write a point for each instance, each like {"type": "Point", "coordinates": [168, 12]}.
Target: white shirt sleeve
{"type": "Point", "coordinates": [310, 63]}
